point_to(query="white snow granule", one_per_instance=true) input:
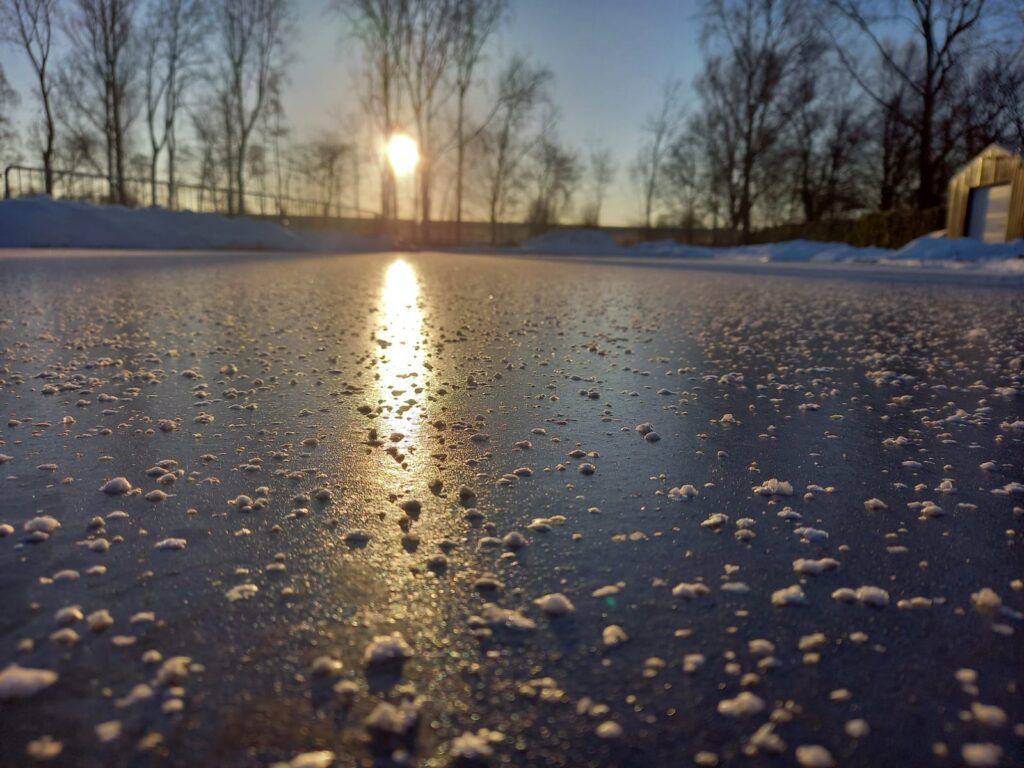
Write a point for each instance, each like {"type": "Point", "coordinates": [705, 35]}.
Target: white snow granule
{"type": "Point", "coordinates": [387, 648]}
{"type": "Point", "coordinates": [170, 544]}
{"type": "Point", "coordinates": [814, 756]}
{"type": "Point", "coordinates": [793, 595]}
{"type": "Point", "coordinates": [745, 703]}
{"type": "Point", "coordinates": [555, 604]}
{"type": "Point", "coordinates": [683, 492]}
{"type": "Point", "coordinates": [117, 486]}
{"type": "Point", "coordinates": [985, 755]}
{"type": "Point", "coordinates": [689, 591]}
{"type": "Point", "coordinates": [241, 592]}
{"type": "Point", "coordinates": [475, 746]}
{"type": "Point", "coordinates": [22, 682]}
{"type": "Point", "coordinates": [773, 487]}
{"type": "Point", "coordinates": [43, 523]}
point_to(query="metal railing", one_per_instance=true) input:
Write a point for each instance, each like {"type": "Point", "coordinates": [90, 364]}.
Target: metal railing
{"type": "Point", "coordinates": [26, 181]}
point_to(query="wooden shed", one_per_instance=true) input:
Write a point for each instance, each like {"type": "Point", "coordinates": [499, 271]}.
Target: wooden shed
{"type": "Point", "coordinates": [986, 198]}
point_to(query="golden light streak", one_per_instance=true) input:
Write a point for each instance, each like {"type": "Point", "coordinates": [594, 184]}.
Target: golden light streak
{"type": "Point", "coordinates": [400, 362]}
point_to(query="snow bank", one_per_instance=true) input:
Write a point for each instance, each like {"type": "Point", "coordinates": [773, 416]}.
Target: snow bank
{"type": "Point", "coordinates": [958, 249]}
{"type": "Point", "coordinates": [925, 251]}
{"type": "Point", "coordinates": [40, 222]}
{"type": "Point", "coordinates": [792, 250]}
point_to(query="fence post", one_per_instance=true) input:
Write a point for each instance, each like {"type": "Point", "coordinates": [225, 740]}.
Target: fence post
{"type": "Point", "coordinates": [7, 182]}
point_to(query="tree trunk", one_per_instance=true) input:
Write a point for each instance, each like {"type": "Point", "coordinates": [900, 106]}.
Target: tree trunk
{"type": "Point", "coordinates": [153, 160]}
{"type": "Point", "coordinates": [172, 190]}
{"type": "Point", "coordinates": [745, 204]}
{"type": "Point", "coordinates": [119, 149]}
{"type": "Point", "coordinates": [50, 135]}
{"type": "Point", "coordinates": [925, 167]}
{"type": "Point", "coordinates": [460, 166]}
{"type": "Point", "coordinates": [230, 162]}
{"type": "Point", "coordinates": [494, 221]}
{"type": "Point", "coordinates": [387, 192]}
{"type": "Point", "coordinates": [424, 200]}
{"type": "Point", "coordinates": [240, 174]}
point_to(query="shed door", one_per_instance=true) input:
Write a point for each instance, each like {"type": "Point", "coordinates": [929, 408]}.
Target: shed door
{"type": "Point", "coordinates": [989, 213]}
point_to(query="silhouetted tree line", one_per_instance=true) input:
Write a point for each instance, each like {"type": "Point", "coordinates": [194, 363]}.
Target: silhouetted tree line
{"type": "Point", "coordinates": [805, 111]}
{"type": "Point", "coordinates": [499, 154]}
{"type": "Point", "coordinates": [808, 111]}
{"type": "Point", "coordinates": [147, 88]}
{"type": "Point", "coordinates": [108, 72]}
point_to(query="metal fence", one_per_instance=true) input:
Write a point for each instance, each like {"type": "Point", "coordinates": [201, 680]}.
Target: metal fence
{"type": "Point", "coordinates": [25, 181]}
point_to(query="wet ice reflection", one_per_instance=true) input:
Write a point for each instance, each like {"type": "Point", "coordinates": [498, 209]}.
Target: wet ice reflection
{"type": "Point", "coordinates": [400, 354]}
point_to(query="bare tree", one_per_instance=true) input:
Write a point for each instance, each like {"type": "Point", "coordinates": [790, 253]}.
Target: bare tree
{"type": "Point", "coordinates": [823, 132]}
{"type": "Point", "coordinates": [155, 85]}
{"type": "Point", "coordinates": [754, 47]}
{"type": "Point", "coordinates": [228, 135]}
{"type": "Point", "coordinates": [425, 54]}
{"type": "Point", "coordinates": [521, 89]}
{"type": "Point", "coordinates": [660, 128]}
{"type": "Point", "coordinates": [8, 102]}
{"type": "Point", "coordinates": [175, 36]}
{"type": "Point", "coordinates": [78, 150]}
{"type": "Point", "coordinates": [945, 34]}
{"type": "Point", "coordinates": [474, 21]}
{"type": "Point", "coordinates": [277, 130]}
{"type": "Point", "coordinates": [99, 77]}
{"type": "Point", "coordinates": [600, 172]}
{"type": "Point", "coordinates": [206, 129]}
{"type": "Point", "coordinates": [29, 24]}
{"type": "Point", "coordinates": [256, 170]}
{"type": "Point", "coordinates": [891, 142]}
{"type": "Point", "coordinates": [378, 25]}
{"type": "Point", "coordinates": [992, 104]}
{"type": "Point", "coordinates": [715, 137]}
{"type": "Point", "coordinates": [356, 159]}
{"type": "Point", "coordinates": [553, 174]}
{"type": "Point", "coordinates": [321, 163]}
{"type": "Point", "coordinates": [251, 38]}
{"type": "Point", "coordinates": [683, 179]}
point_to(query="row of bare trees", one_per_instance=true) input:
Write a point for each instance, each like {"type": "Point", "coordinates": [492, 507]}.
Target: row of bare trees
{"type": "Point", "coordinates": [804, 110]}
{"type": "Point", "coordinates": [147, 88]}
{"type": "Point", "coordinates": [101, 65]}
{"type": "Point", "coordinates": [498, 135]}
{"type": "Point", "coordinates": [808, 110]}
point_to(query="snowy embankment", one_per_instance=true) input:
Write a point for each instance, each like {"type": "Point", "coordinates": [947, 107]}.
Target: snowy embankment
{"type": "Point", "coordinates": [932, 252]}
{"type": "Point", "coordinates": [40, 222]}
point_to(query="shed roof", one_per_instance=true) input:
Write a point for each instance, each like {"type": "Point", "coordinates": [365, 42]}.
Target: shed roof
{"type": "Point", "coordinates": [991, 152]}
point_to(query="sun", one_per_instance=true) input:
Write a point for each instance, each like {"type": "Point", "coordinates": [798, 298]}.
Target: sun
{"type": "Point", "coordinates": [402, 153]}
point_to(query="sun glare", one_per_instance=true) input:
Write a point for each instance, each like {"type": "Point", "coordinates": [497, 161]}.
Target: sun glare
{"type": "Point", "coordinates": [402, 153]}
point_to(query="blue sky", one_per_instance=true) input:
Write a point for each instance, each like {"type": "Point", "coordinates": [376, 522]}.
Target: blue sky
{"type": "Point", "coordinates": [609, 57]}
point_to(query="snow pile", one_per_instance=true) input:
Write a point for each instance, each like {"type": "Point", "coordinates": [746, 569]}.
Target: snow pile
{"type": "Point", "coordinates": [40, 222]}
{"type": "Point", "coordinates": [792, 250]}
{"type": "Point", "coordinates": [958, 249]}
{"type": "Point", "coordinates": [925, 251]}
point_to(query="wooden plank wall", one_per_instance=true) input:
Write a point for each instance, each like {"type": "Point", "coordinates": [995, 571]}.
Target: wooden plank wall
{"type": "Point", "coordinates": [993, 166]}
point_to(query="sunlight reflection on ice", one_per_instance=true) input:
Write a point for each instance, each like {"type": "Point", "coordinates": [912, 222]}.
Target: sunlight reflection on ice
{"type": "Point", "coordinates": [401, 356]}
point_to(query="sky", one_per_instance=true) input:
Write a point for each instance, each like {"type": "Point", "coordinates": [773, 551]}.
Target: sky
{"type": "Point", "coordinates": [609, 57]}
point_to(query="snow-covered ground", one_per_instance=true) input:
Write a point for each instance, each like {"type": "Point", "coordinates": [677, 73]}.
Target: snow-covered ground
{"type": "Point", "coordinates": [40, 222]}
{"type": "Point", "coordinates": [932, 252]}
